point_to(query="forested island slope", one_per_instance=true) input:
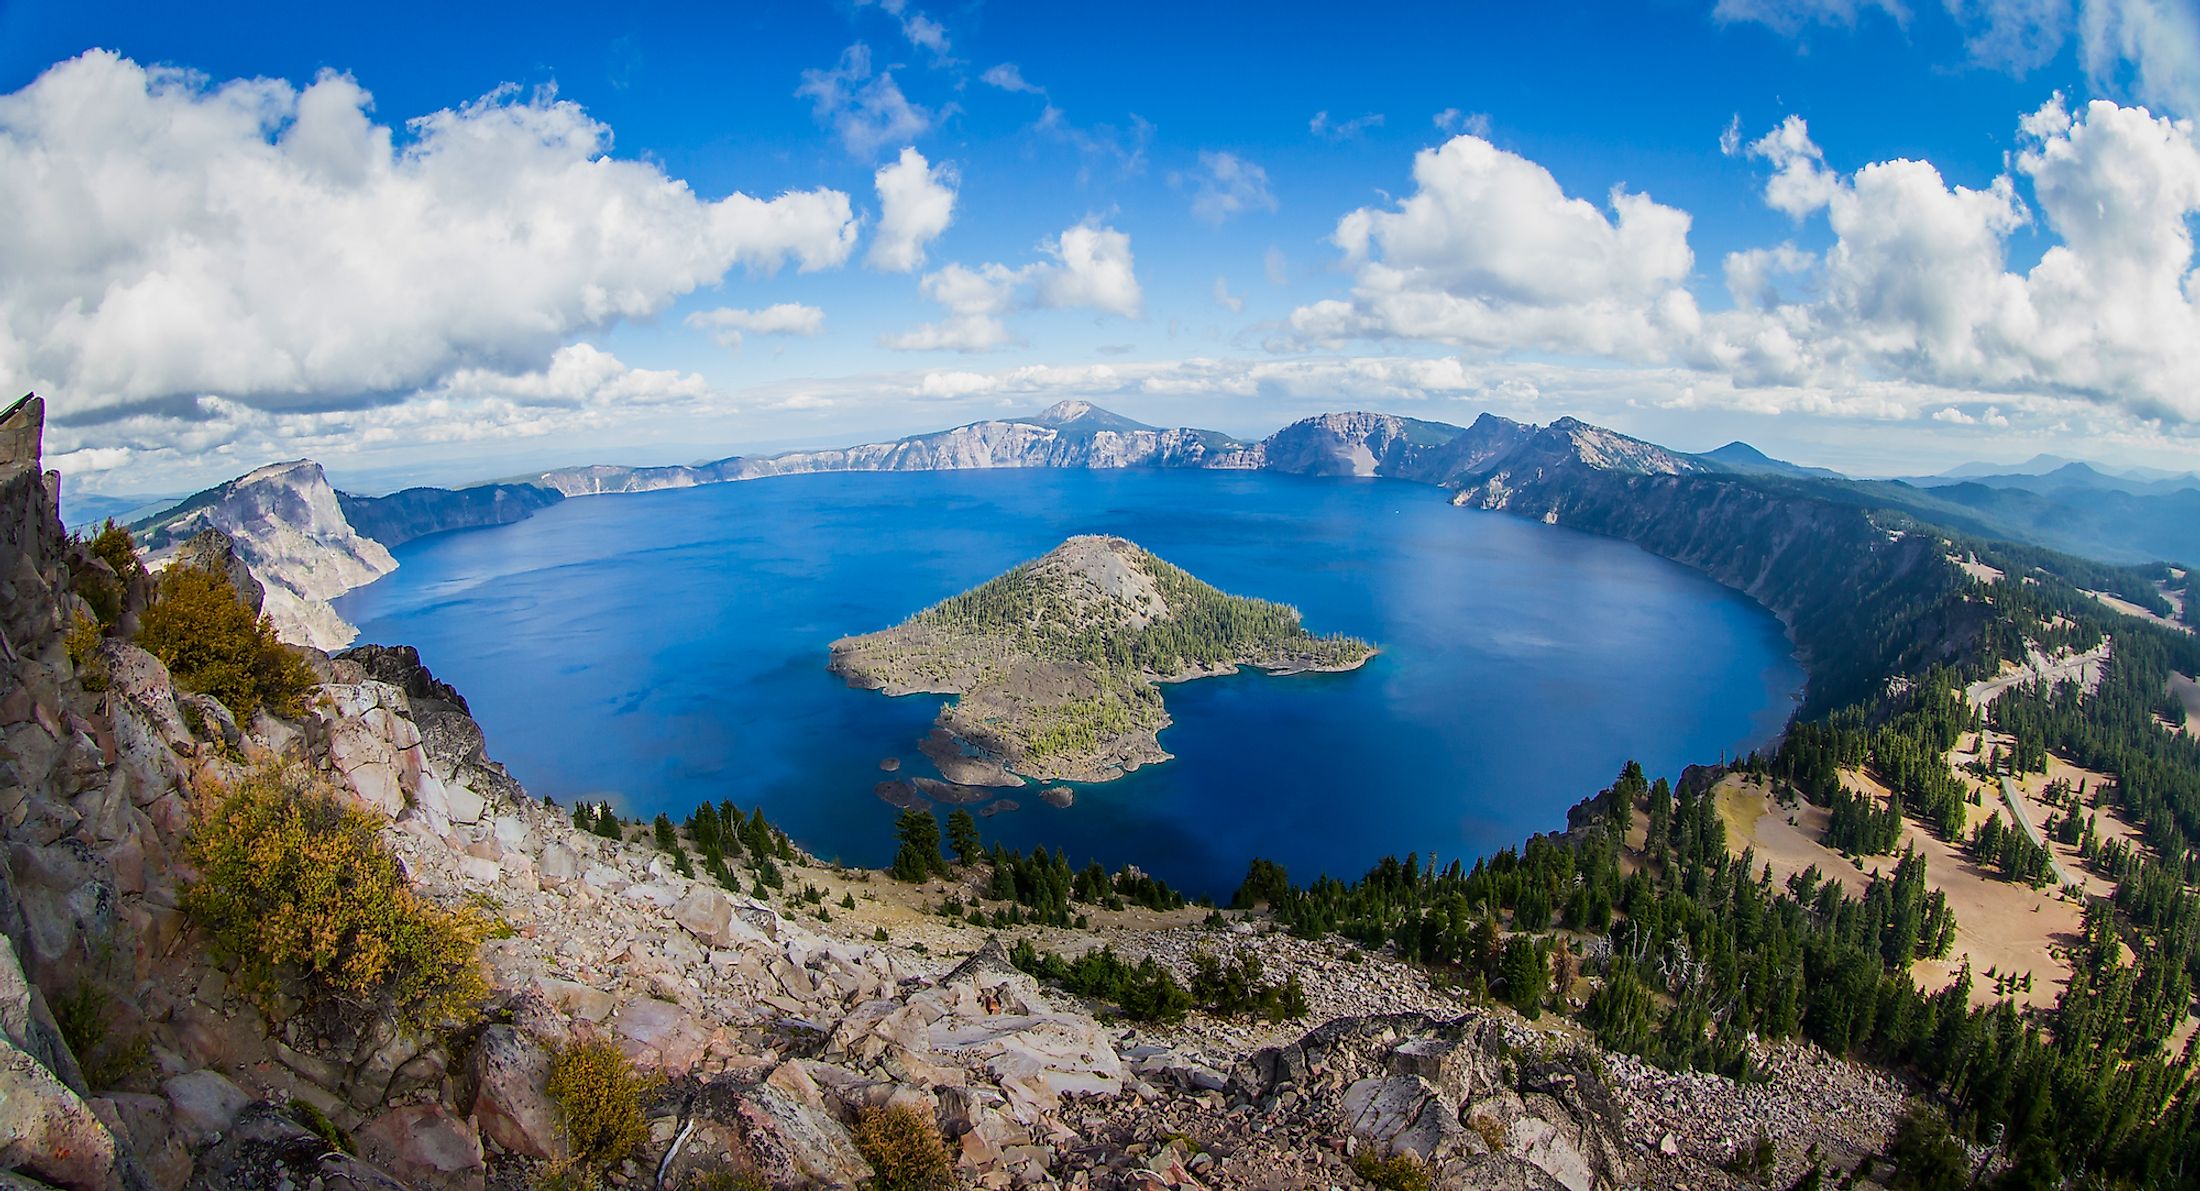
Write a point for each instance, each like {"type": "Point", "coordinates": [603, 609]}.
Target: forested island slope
{"type": "Point", "coordinates": [1056, 661]}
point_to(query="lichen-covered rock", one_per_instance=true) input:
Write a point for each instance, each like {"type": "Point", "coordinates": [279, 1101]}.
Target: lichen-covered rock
{"type": "Point", "coordinates": [204, 1104]}
{"type": "Point", "coordinates": [426, 1147]}
{"type": "Point", "coordinates": [509, 1074]}
{"type": "Point", "coordinates": [795, 1136]}
{"type": "Point", "coordinates": [1402, 1114]}
{"type": "Point", "coordinates": [49, 1133]}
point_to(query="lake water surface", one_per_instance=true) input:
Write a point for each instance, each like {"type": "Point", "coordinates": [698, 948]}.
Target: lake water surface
{"type": "Point", "coordinates": [663, 648]}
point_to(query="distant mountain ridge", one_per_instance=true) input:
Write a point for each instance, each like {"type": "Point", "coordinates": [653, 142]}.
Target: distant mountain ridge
{"type": "Point", "coordinates": [1741, 457]}
{"type": "Point", "coordinates": [1568, 472]}
{"type": "Point", "coordinates": [2054, 473]}
{"type": "Point", "coordinates": [1067, 434]}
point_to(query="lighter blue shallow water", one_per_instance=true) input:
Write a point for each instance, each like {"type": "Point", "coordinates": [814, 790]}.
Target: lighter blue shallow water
{"type": "Point", "coordinates": [664, 648]}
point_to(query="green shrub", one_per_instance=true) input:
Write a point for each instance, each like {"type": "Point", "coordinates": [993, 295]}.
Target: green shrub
{"type": "Point", "coordinates": [1145, 990]}
{"type": "Point", "coordinates": [1402, 1171]}
{"type": "Point", "coordinates": [1753, 1160]}
{"type": "Point", "coordinates": [81, 1014]}
{"type": "Point", "coordinates": [212, 643]}
{"type": "Point", "coordinates": [905, 1150]}
{"type": "Point", "coordinates": [82, 643]}
{"type": "Point", "coordinates": [114, 546]}
{"type": "Point", "coordinates": [100, 593]}
{"type": "Point", "coordinates": [599, 1099]}
{"type": "Point", "coordinates": [103, 592]}
{"type": "Point", "coordinates": [298, 887]}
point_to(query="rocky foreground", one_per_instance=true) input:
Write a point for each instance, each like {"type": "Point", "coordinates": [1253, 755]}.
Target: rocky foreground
{"type": "Point", "coordinates": [765, 1026]}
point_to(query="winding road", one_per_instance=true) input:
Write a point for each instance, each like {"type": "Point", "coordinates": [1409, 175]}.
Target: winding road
{"type": "Point", "coordinates": [2024, 820]}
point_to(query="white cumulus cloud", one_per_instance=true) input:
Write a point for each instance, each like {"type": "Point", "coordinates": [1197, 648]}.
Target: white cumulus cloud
{"type": "Point", "coordinates": [1917, 283]}
{"type": "Point", "coordinates": [867, 111]}
{"type": "Point", "coordinates": [1489, 250]}
{"type": "Point", "coordinates": [580, 390]}
{"type": "Point", "coordinates": [916, 203]}
{"type": "Point", "coordinates": [1913, 308]}
{"type": "Point", "coordinates": [727, 325]}
{"type": "Point", "coordinates": [1088, 266]}
{"type": "Point", "coordinates": [169, 238]}
{"type": "Point", "coordinates": [1228, 185]}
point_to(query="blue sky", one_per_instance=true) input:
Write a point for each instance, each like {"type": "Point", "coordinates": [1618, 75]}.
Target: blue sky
{"type": "Point", "coordinates": [1148, 206]}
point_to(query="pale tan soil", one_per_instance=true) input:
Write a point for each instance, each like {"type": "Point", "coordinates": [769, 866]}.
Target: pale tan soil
{"type": "Point", "coordinates": [2032, 788]}
{"type": "Point", "coordinates": [2128, 608]}
{"type": "Point", "coordinates": [2007, 927]}
{"type": "Point", "coordinates": [2066, 667]}
{"type": "Point", "coordinates": [2188, 693]}
{"type": "Point", "coordinates": [1976, 569]}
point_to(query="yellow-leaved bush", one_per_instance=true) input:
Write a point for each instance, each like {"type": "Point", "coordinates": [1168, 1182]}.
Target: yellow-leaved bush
{"type": "Point", "coordinates": [297, 885]}
{"type": "Point", "coordinates": [213, 643]}
{"type": "Point", "coordinates": [599, 1099]}
{"type": "Point", "coordinates": [903, 1145]}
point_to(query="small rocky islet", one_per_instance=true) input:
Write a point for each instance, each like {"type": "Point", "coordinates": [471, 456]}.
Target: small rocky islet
{"type": "Point", "coordinates": [1057, 663]}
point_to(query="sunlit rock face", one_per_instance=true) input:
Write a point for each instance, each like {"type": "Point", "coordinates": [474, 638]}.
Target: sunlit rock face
{"type": "Point", "coordinates": [291, 531]}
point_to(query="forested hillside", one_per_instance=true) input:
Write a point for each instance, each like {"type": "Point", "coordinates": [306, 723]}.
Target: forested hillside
{"type": "Point", "coordinates": [1694, 952]}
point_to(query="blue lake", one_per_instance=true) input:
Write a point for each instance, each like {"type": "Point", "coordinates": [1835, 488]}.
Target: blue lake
{"type": "Point", "coordinates": [664, 648]}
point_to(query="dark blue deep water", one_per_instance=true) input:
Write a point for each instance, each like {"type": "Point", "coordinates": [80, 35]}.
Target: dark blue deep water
{"type": "Point", "coordinates": [665, 648]}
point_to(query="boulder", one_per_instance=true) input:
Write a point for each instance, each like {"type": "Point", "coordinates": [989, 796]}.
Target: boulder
{"type": "Point", "coordinates": [47, 1132]}
{"type": "Point", "coordinates": [561, 866]}
{"type": "Point", "coordinates": [795, 1136]}
{"type": "Point", "coordinates": [26, 1022]}
{"type": "Point", "coordinates": [579, 1000]}
{"type": "Point", "coordinates": [426, 1147]}
{"type": "Point", "coordinates": [140, 679]}
{"type": "Point", "coordinates": [509, 1073]}
{"type": "Point", "coordinates": [213, 716]}
{"type": "Point", "coordinates": [1401, 1114]}
{"type": "Point", "coordinates": [269, 1149]}
{"type": "Point", "coordinates": [706, 914]}
{"type": "Point", "coordinates": [152, 1139]}
{"type": "Point", "coordinates": [1542, 1145]}
{"type": "Point", "coordinates": [656, 1033]}
{"type": "Point", "coordinates": [203, 1104]}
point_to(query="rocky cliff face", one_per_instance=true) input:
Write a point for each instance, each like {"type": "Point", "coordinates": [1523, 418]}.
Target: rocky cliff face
{"type": "Point", "coordinates": [1826, 568]}
{"type": "Point", "coordinates": [290, 529]}
{"type": "Point", "coordinates": [1372, 444]}
{"type": "Point", "coordinates": [400, 517]}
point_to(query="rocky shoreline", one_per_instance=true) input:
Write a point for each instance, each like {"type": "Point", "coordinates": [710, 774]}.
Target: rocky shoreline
{"type": "Point", "coordinates": [1049, 669]}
